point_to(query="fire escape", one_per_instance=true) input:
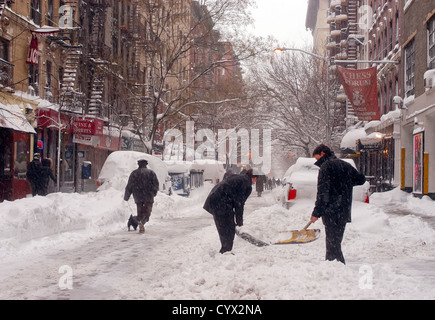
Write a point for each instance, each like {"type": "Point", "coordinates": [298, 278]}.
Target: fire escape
{"type": "Point", "coordinates": [71, 98]}
{"type": "Point", "coordinates": [343, 21]}
{"type": "Point", "coordinates": [99, 55]}
{"type": "Point", "coordinates": [134, 33]}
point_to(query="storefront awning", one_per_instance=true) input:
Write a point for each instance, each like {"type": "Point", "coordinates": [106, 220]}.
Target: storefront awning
{"type": "Point", "coordinates": [12, 117]}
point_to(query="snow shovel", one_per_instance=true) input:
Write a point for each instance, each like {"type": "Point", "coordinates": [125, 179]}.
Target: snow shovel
{"type": "Point", "coordinates": [301, 236]}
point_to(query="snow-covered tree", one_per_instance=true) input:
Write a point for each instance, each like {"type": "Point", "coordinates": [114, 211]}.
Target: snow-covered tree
{"type": "Point", "coordinates": [289, 92]}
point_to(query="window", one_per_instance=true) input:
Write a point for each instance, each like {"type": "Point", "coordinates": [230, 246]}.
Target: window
{"type": "Point", "coordinates": [20, 163]}
{"type": "Point", "coordinates": [34, 79]}
{"type": "Point", "coordinates": [431, 44]}
{"type": "Point", "coordinates": [50, 13]}
{"type": "Point", "coordinates": [4, 49]}
{"type": "Point", "coordinates": [5, 154]}
{"type": "Point", "coordinates": [35, 11]}
{"type": "Point", "coordinates": [410, 68]}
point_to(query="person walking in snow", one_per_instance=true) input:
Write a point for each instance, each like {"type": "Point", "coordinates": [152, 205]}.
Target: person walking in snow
{"type": "Point", "coordinates": [259, 184]}
{"type": "Point", "coordinates": [226, 203]}
{"type": "Point", "coordinates": [46, 175]}
{"type": "Point", "coordinates": [143, 184]}
{"type": "Point", "coordinates": [34, 169]}
{"type": "Point", "coordinates": [334, 198]}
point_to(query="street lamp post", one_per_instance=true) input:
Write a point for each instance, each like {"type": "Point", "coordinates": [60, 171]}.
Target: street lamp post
{"type": "Point", "coordinates": [327, 62]}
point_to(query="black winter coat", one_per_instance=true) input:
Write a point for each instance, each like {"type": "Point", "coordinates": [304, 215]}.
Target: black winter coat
{"type": "Point", "coordinates": [334, 190]}
{"type": "Point", "coordinates": [34, 171]}
{"type": "Point", "coordinates": [229, 196]}
{"type": "Point", "coordinates": [143, 184]}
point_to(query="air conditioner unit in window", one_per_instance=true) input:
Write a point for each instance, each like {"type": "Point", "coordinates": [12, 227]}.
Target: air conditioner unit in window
{"type": "Point", "coordinates": [429, 79]}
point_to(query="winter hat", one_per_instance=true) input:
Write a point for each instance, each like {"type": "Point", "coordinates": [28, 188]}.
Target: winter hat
{"type": "Point", "coordinates": [142, 162]}
{"type": "Point", "coordinates": [37, 156]}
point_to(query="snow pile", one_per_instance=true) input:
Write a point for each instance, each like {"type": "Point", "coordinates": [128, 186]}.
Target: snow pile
{"type": "Point", "coordinates": [41, 222]}
{"type": "Point", "coordinates": [422, 207]}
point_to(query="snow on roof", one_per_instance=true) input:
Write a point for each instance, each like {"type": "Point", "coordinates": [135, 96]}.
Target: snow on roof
{"type": "Point", "coordinates": [350, 138]}
{"type": "Point", "coordinates": [12, 117]}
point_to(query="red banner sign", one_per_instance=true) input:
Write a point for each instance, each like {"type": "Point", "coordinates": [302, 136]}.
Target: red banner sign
{"type": "Point", "coordinates": [362, 91]}
{"type": "Point", "coordinates": [33, 56]}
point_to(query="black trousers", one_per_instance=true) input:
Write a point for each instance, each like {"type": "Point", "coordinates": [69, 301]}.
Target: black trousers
{"type": "Point", "coordinates": [226, 228]}
{"type": "Point", "coordinates": [334, 237]}
{"type": "Point", "coordinates": [144, 211]}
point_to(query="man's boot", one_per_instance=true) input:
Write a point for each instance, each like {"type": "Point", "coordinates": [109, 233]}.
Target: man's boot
{"type": "Point", "coordinates": [141, 227]}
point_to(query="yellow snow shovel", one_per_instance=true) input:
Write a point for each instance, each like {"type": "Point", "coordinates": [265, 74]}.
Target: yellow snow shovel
{"type": "Point", "coordinates": [300, 236]}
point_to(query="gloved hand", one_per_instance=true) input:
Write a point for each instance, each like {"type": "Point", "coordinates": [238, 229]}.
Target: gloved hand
{"type": "Point", "coordinates": [239, 221]}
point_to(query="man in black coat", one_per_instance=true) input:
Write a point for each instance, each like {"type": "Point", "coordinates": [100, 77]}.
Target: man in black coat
{"type": "Point", "coordinates": [34, 174]}
{"type": "Point", "coordinates": [226, 202]}
{"type": "Point", "coordinates": [334, 198]}
{"type": "Point", "coordinates": [46, 175]}
{"type": "Point", "coordinates": [143, 184]}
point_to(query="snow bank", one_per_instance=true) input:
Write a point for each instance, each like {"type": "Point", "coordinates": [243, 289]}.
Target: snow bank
{"type": "Point", "coordinates": [41, 223]}
{"type": "Point", "coordinates": [396, 197]}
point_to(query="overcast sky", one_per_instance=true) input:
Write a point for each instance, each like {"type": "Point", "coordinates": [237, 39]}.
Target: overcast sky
{"type": "Point", "coordinates": [283, 19]}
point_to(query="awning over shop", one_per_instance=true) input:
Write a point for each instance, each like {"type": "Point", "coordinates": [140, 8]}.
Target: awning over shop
{"type": "Point", "coordinates": [12, 117]}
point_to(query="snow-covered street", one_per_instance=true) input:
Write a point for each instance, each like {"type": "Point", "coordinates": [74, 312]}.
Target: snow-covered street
{"type": "Point", "coordinates": [72, 246]}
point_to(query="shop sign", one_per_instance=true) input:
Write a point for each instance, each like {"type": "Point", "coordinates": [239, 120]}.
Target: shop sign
{"type": "Point", "coordinates": [86, 140]}
{"type": "Point", "coordinates": [370, 144]}
{"type": "Point", "coordinates": [49, 118]}
{"type": "Point", "coordinates": [88, 126]}
{"type": "Point", "coordinates": [138, 145]}
{"type": "Point", "coordinates": [109, 143]}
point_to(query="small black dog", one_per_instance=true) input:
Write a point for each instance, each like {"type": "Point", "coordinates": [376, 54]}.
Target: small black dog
{"type": "Point", "coordinates": [132, 222]}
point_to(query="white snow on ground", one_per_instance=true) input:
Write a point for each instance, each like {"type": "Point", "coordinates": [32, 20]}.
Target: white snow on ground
{"type": "Point", "coordinates": [388, 256]}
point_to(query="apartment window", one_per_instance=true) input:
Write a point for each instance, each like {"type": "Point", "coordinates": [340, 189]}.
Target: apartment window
{"type": "Point", "coordinates": [410, 68]}
{"type": "Point", "coordinates": [50, 13]}
{"type": "Point", "coordinates": [4, 49]}
{"type": "Point", "coordinates": [431, 44]}
{"type": "Point", "coordinates": [34, 78]}
{"type": "Point", "coordinates": [35, 11]}
{"type": "Point", "coordinates": [48, 77]}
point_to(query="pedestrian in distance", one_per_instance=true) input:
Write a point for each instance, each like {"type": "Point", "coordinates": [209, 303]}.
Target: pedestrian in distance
{"type": "Point", "coordinates": [34, 171]}
{"type": "Point", "coordinates": [144, 185]}
{"type": "Point", "coordinates": [259, 184]}
{"type": "Point", "coordinates": [334, 198]}
{"type": "Point", "coordinates": [226, 203]}
{"type": "Point", "coordinates": [46, 175]}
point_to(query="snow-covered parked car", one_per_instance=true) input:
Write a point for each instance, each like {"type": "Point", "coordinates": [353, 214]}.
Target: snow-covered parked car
{"type": "Point", "coordinates": [119, 165]}
{"type": "Point", "coordinates": [300, 182]}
